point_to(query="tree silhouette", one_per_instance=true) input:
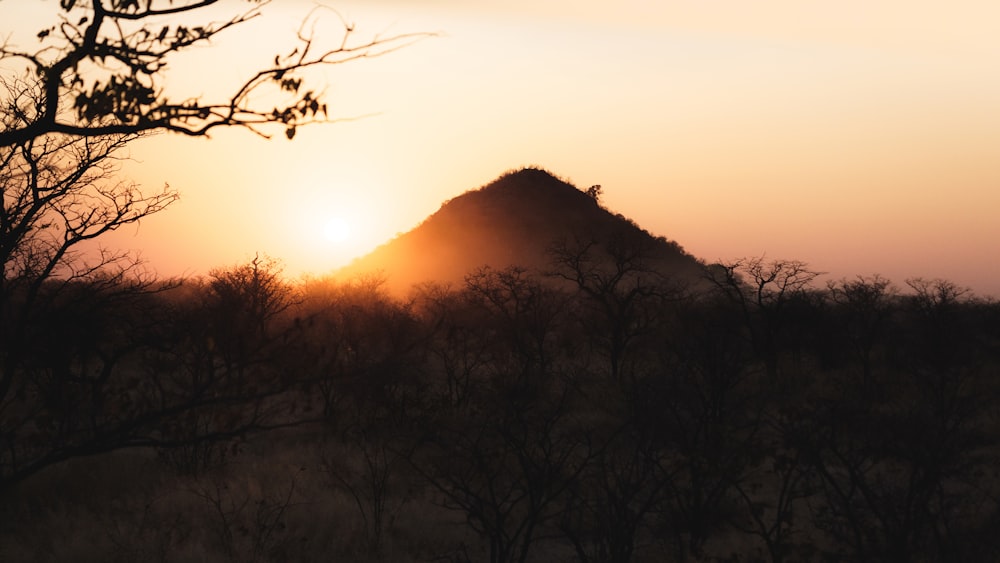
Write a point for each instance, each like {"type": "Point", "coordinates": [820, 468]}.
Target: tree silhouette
{"type": "Point", "coordinates": [865, 305]}
{"type": "Point", "coordinates": [595, 192]}
{"type": "Point", "coordinates": [520, 316]}
{"type": "Point", "coordinates": [610, 501]}
{"type": "Point", "coordinates": [764, 290]}
{"type": "Point", "coordinates": [621, 291]}
{"type": "Point", "coordinates": [117, 365]}
{"type": "Point", "coordinates": [102, 69]}
{"type": "Point", "coordinates": [69, 107]}
{"type": "Point", "coordinates": [505, 467]}
{"type": "Point", "coordinates": [58, 194]}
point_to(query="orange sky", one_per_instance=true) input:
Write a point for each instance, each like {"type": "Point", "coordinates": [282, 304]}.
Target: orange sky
{"type": "Point", "coordinates": [859, 136]}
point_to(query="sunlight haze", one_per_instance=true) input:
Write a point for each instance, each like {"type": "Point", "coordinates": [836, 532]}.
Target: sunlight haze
{"type": "Point", "coordinates": [509, 281]}
{"type": "Point", "coordinates": [860, 137]}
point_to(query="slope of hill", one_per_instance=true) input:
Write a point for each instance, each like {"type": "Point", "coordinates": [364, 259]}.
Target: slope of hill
{"type": "Point", "coordinates": [515, 220]}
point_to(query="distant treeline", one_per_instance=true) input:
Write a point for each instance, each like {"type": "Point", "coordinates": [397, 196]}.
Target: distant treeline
{"type": "Point", "coordinates": [599, 412]}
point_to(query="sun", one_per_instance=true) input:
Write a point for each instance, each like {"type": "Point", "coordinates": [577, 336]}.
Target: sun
{"type": "Point", "coordinates": [337, 230]}
{"type": "Point", "coordinates": [327, 234]}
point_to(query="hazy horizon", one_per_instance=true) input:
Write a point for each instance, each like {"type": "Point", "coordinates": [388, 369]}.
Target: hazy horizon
{"type": "Point", "coordinates": [646, 281]}
{"type": "Point", "coordinates": [858, 138]}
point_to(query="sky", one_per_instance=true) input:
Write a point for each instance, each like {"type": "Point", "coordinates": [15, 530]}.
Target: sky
{"type": "Point", "coordinates": [861, 137]}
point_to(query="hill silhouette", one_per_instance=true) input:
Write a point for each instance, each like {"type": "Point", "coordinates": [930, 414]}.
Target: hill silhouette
{"type": "Point", "coordinates": [515, 220]}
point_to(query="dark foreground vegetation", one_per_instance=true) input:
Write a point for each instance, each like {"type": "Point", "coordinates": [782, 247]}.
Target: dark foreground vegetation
{"type": "Point", "coordinates": [592, 410]}
{"type": "Point", "coordinates": [598, 412]}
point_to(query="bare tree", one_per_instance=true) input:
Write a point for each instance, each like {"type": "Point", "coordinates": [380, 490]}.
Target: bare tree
{"type": "Point", "coordinates": [245, 300]}
{"type": "Point", "coordinates": [866, 305]}
{"type": "Point", "coordinates": [506, 471]}
{"type": "Point", "coordinates": [763, 290]}
{"type": "Point", "coordinates": [609, 503]}
{"type": "Point", "coordinates": [623, 290]}
{"type": "Point", "coordinates": [462, 355]}
{"type": "Point", "coordinates": [520, 315]}
{"type": "Point", "coordinates": [60, 191]}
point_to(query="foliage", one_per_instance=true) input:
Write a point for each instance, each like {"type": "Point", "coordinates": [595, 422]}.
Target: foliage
{"type": "Point", "coordinates": [104, 67]}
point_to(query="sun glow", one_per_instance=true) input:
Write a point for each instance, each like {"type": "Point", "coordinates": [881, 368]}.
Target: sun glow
{"type": "Point", "coordinates": [337, 230]}
{"type": "Point", "coordinates": [336, 227]}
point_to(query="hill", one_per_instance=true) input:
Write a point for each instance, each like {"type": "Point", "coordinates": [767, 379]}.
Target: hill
{"type": "Point", "coordinates": [515, 220]}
